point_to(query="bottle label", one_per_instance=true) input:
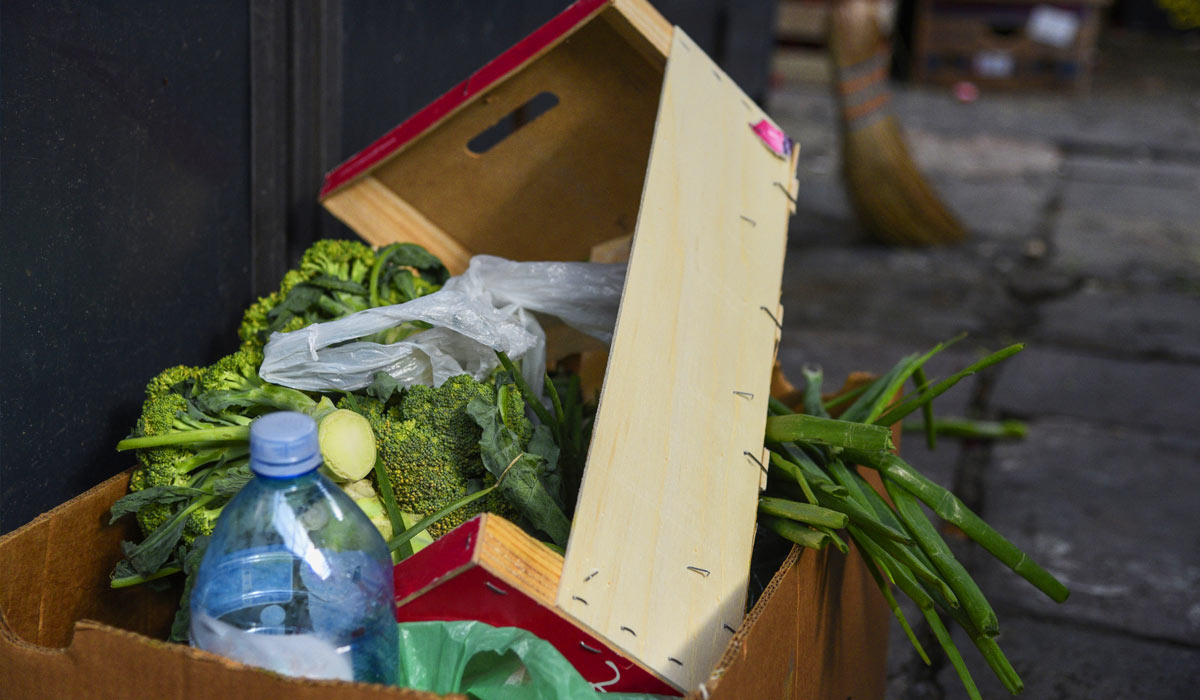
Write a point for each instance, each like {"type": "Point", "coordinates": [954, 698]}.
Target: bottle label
{"type": "Point", "coordinates": [249, 578]}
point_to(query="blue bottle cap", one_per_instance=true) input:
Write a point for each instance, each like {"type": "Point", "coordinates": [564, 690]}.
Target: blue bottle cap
{"type": "Point", "coordinates": [284, 444]}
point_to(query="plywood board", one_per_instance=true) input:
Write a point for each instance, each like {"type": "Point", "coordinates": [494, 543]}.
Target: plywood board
{"type": "Point", "coordinates": [659, 554]}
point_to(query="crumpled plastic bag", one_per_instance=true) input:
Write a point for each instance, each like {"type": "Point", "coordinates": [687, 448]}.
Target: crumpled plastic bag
{"type": "Point", "coordinates": [492, 306]}
{"type": "Point", "coordinates": [490, 663]}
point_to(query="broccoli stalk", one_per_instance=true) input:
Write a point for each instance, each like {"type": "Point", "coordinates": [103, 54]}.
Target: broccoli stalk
{"type": "Point", "coordinates": [347, 443]}
{"type": "Point", "coordinates": [362, 492]}
{"type": "Point", "coordinates": [193, 440]}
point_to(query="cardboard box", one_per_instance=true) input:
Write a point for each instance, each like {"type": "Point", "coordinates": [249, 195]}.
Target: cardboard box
{"type": "Point", "coordinates": [1006, 44]}
{"type": "Point", "coordinates": [642, 135]}
{"type": "Point", "coordinates": [819, 630]}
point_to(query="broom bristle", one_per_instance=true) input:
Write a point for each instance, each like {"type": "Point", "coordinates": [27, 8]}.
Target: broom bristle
{"type": "Point", "coordinates": [892, 199]}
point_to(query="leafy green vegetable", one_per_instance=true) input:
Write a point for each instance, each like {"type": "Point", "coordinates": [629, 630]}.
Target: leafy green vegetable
{"type": "Point", "coordinates": [523, 486]}
{"type": "Point", "coordinates": [183, 616]}
{"type": "Point", "coordinates": [166, 494]}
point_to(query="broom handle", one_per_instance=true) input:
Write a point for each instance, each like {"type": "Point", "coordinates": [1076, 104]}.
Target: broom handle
{"type": "Point", "coordinates": [861, 59]}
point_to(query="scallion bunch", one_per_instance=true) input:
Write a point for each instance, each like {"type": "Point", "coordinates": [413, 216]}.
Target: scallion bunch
{"type": "Point", "coordinates": [814, 492]}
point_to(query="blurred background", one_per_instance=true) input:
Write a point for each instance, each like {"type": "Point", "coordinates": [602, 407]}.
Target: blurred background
{"type": "Point", "coordinates": [159, 166]}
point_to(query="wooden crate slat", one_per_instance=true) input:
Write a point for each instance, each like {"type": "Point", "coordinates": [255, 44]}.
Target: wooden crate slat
{"type": "Point", "coordinates": [669, 484]}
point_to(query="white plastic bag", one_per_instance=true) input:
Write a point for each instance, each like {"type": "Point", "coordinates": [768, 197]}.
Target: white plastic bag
{"type": "Point", "coordinates": [489, 307]}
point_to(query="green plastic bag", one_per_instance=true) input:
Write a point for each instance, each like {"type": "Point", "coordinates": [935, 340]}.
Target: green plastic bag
{"type": "Point", "coordinates": [490, 663]}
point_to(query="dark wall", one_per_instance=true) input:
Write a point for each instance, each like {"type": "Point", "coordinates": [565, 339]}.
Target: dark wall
{"type": "Point", "coordinates": [123, 142]}
{"type": "Point", "coordinates": [159, 163]}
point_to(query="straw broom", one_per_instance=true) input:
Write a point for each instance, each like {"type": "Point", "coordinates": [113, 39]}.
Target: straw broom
{"type": "Point", "coordinates": [892, 199]}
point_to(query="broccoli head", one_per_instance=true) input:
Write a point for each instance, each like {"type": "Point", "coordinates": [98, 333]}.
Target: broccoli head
{"type": "Point", "coordinates": [169, 411]}
{"type": "Point", "coordinates": [405, 271]}
{"type": "Point", "coordinates": [199, 522]}
{"type": "Point", "coordinates": [152, 515]}
{"type": "Point", "coordinates": [235, 372]}
{"type": "Point", "coordinates": [442, 413]}
{"type": "Point", "coordinates": [172, 379]}
{"type": "Point", "coordinates": [429, 446]}
{"type": "Point", "coordinates": [338, 277]}
{"type": "Point", "coordinates": [342, 259]}
{"type": "Point", "coordinates": [330, 282]}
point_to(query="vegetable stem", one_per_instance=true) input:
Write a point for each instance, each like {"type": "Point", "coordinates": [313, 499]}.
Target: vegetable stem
{"type": "Point", "coordinates": [896, 413]}
{"type": "Point", "coordinates": [948, 507]}
{"type": "Point", "coordinates": [802, 512]}
{"type": "Point", "coordinates": [828, 431]}
{"type": "Point", "coordinates": [233, 433]}
{"type": "Point", "coordinates": [127, 581]}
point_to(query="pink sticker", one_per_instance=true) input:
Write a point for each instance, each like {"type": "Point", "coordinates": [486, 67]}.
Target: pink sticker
{"type": "Point", "coordinates": [774, 138]}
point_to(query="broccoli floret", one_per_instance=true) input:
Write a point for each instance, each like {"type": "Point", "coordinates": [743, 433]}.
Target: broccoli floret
{"type": "Point", "coordinates": [152, 515]}
{"type": "Point", "coordinates": [233, 381]}
{"type": "Point", "coordinates": [442, 411]}
{"type": "Point", "coordinates": [330, 282]}
{"type": "Point", "coordinates": [335, 257]}
{"type": "Point", "coordinates": [169, 413]}
{"type": "Point", "coordinates": [200, 522]}
{"type": "Point", "coordinates": [429, 446]}
{"type": "Point", "coordinates": [172, 379]}
{"type": "Point", "coordinates": [338, 277]}
{"type": "Point", "coordinates": [235, 372]}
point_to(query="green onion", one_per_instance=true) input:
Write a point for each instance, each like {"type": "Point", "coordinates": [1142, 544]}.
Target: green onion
{"type": "Point", "coordinates": [935, 548]}
{"type": "Point", "coordinates": [948, 507]}
{"type": "Point", "coordinates": [828, 431]}
{"type": "Point", "coordinates": [802, 512]}
{"type": "Point", "coordinates": [795, 532]}
{"type": "Point", "coordinates": [896, 413]}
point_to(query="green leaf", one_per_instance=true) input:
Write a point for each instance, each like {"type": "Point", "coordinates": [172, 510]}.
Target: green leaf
{"type": "Point", "coordinates": [299, 299]}
{"type": "Point", "coordinates": [146, 557]}
{"type": "Point", "coordinates": [806, 513]}
{"type": "Point", "coordinates": [412, 255]}
{"type": "Point", "coordinates": [399, 541]}
{"type": "Point", "coordinates": [388, 496]}
{"type": "Point", "coordinates": [898, 412]}
{"type": "Point", "coordinates": [232, 481]}
{"type": "Point", "coordinates": [795, 532]}
{"type": "Point", "coordinates": [183, 616]}
{"type": "Point", "coordinates": [541, 444]}
{"type": "Point", "coordinates": [404, 283]}
{"type": "Point", "coordinates": [136, 500]}
{"type": "Point", "coordinates": [522, 484]}
{"type": "Point", "coordinates": [336, 284]}
{"type": "Point", "coordinates": [149, 555]}
{"type": "Point", "coordinates": [384, 386]}
{"type": "Point", "coordinates": [422, 539]}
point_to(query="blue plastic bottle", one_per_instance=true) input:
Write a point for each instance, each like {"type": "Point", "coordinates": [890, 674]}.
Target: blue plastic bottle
{"type": "Point", "coordinates": [296, 579]}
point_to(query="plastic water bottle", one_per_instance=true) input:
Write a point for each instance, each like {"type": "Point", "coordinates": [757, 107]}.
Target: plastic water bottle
{"type": "Point", "coordinates": [296, 579]}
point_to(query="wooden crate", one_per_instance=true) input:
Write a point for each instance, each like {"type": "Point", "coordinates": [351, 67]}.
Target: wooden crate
{"type": "Point", "coordinates": [988, 42]}
{"type": "Point", "coordinates": [643, 136]}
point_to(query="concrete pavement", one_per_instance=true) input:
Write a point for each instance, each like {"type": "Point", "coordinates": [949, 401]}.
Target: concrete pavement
{"type": "Point", "coordinates": [1084, 215]}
